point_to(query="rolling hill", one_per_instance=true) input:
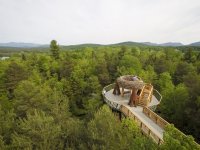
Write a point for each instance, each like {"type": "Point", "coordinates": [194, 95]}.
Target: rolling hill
{"type": "Point", "coordinates": [128, 43]}
{"type": "Point", "coordinates": [195, 44]}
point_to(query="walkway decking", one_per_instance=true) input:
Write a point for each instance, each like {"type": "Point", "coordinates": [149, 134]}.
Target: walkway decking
{"type": "Point", "coordinates": [137, 111]}
{"type": "Point", "coordinates": [125, 99]}
{"type": "Point", "coordinates": [150, 123]}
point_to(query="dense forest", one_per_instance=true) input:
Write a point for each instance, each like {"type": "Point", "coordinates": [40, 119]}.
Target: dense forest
{"type": "Point", "coordinates": [52, 99]}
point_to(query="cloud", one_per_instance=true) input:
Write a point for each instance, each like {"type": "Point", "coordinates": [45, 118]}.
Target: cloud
{"type": "Point", "coordinates": [99, 21]}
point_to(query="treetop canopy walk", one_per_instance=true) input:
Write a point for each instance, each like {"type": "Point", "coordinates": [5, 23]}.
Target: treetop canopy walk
{"type": "Point", "coordinates": [137, 100]}
{"type": "Point", "coordinates": [149, 122]}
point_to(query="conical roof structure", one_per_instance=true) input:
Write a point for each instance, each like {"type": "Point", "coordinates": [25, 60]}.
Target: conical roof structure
{"type": "Point", "coordinates": [128, 82]}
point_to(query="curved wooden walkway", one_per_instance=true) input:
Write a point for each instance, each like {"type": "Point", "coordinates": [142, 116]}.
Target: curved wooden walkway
{"type": "Point", "coordinates": [150, 123]}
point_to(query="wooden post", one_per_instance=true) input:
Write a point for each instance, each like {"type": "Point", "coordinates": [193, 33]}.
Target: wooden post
{"type": "Point", "coordinates": [120, 116]}
{"type": "Point", "coordinates": [156, 120]}
{"type": "Point", "coordinates": [159, 141]}
{"type": "Point", "coordinates": [149, 132]}
{"type": "Point", "coordinates": [133, 98]}
{"type": "Point", "coordinates": [116, 89]}
{"type": "Point", "coordinates": [122, 92]}
{"type": "Point", "coordinates": [149, 113]}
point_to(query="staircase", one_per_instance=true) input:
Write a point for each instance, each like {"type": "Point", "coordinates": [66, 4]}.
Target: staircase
{"type": "Point", "coordinates": [146, 95]}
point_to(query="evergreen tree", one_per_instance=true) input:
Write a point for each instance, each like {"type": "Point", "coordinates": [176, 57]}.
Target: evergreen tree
{"type": "Point", "coordinates": [37, 131]}
{"type": "Point", "coordinates": [13, 75]}
{"type": "Point", "coordinates": [2, 146]}
{"type": "Point", "coordinates": [7, 125]}
{"type": "Point", "coordinates": [176, 140]}
{"type": "Point", "coordinates": [55, 50]}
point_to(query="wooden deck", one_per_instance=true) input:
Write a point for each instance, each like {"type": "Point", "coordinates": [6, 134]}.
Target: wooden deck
{"type": "Point", "coordinates": [149, 122]}
{"type": "Point", "coordinates": [142, 116]}
{"type": "Point", "coordinates": [125, 98]}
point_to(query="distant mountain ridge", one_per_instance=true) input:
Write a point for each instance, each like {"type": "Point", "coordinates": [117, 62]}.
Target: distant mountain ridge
{"type": "Point", "coordinates": [82, 45]}
{"type": "Point", "coordinates": [195, 44]}
{"type": "Point", "coordinates": [21, 45]}
{"type": "Point", "coordinates": [128, 43]}
{"type": "Point", "coordinates": [173, 44]}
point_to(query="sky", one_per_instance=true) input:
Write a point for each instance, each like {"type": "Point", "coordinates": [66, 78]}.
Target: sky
{"type": "Point", "coordinates": [99, 21]}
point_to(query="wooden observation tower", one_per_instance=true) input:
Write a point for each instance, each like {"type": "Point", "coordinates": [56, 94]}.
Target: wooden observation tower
{"type": "Point", "coordinates": [141, 93]}
{"type": "Point", "coordinates": [131, 97]}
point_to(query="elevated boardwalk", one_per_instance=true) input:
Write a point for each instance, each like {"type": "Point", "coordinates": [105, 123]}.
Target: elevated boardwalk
{"type": "Point", "coordinates": [150, 123]}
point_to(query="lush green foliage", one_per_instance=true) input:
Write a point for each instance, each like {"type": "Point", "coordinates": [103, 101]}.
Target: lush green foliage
{"type": "Point", "coordinates": [174, 139]}
{"type": "Point", "coordinates": [53, 100]}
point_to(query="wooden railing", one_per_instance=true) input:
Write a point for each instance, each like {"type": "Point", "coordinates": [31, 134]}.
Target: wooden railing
{"type": "Point", "coordinates": [112, 104]}
{"type": "Point", "coordinates": [108, 87]}
{"type": "Point", "coordinates": [154, 117]}
{"type": "Point", "coordinates": [148, 112]}
{"type": "Point", "coordinates": [145, 129]}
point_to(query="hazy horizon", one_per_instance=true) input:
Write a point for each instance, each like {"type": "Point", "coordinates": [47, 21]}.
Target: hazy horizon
{"type": "Point", "coordinates": [101, 22]}
{"type": "Point", "coordinates": [21, 42]}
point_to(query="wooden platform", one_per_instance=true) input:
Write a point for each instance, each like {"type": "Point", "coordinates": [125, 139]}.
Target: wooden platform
{"type": "Point", "coordinates": [150, 123]}
{"type": "Point", "coordinates": [137, 111]}
{"type": "Point", "coordinates": [126, 97]}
